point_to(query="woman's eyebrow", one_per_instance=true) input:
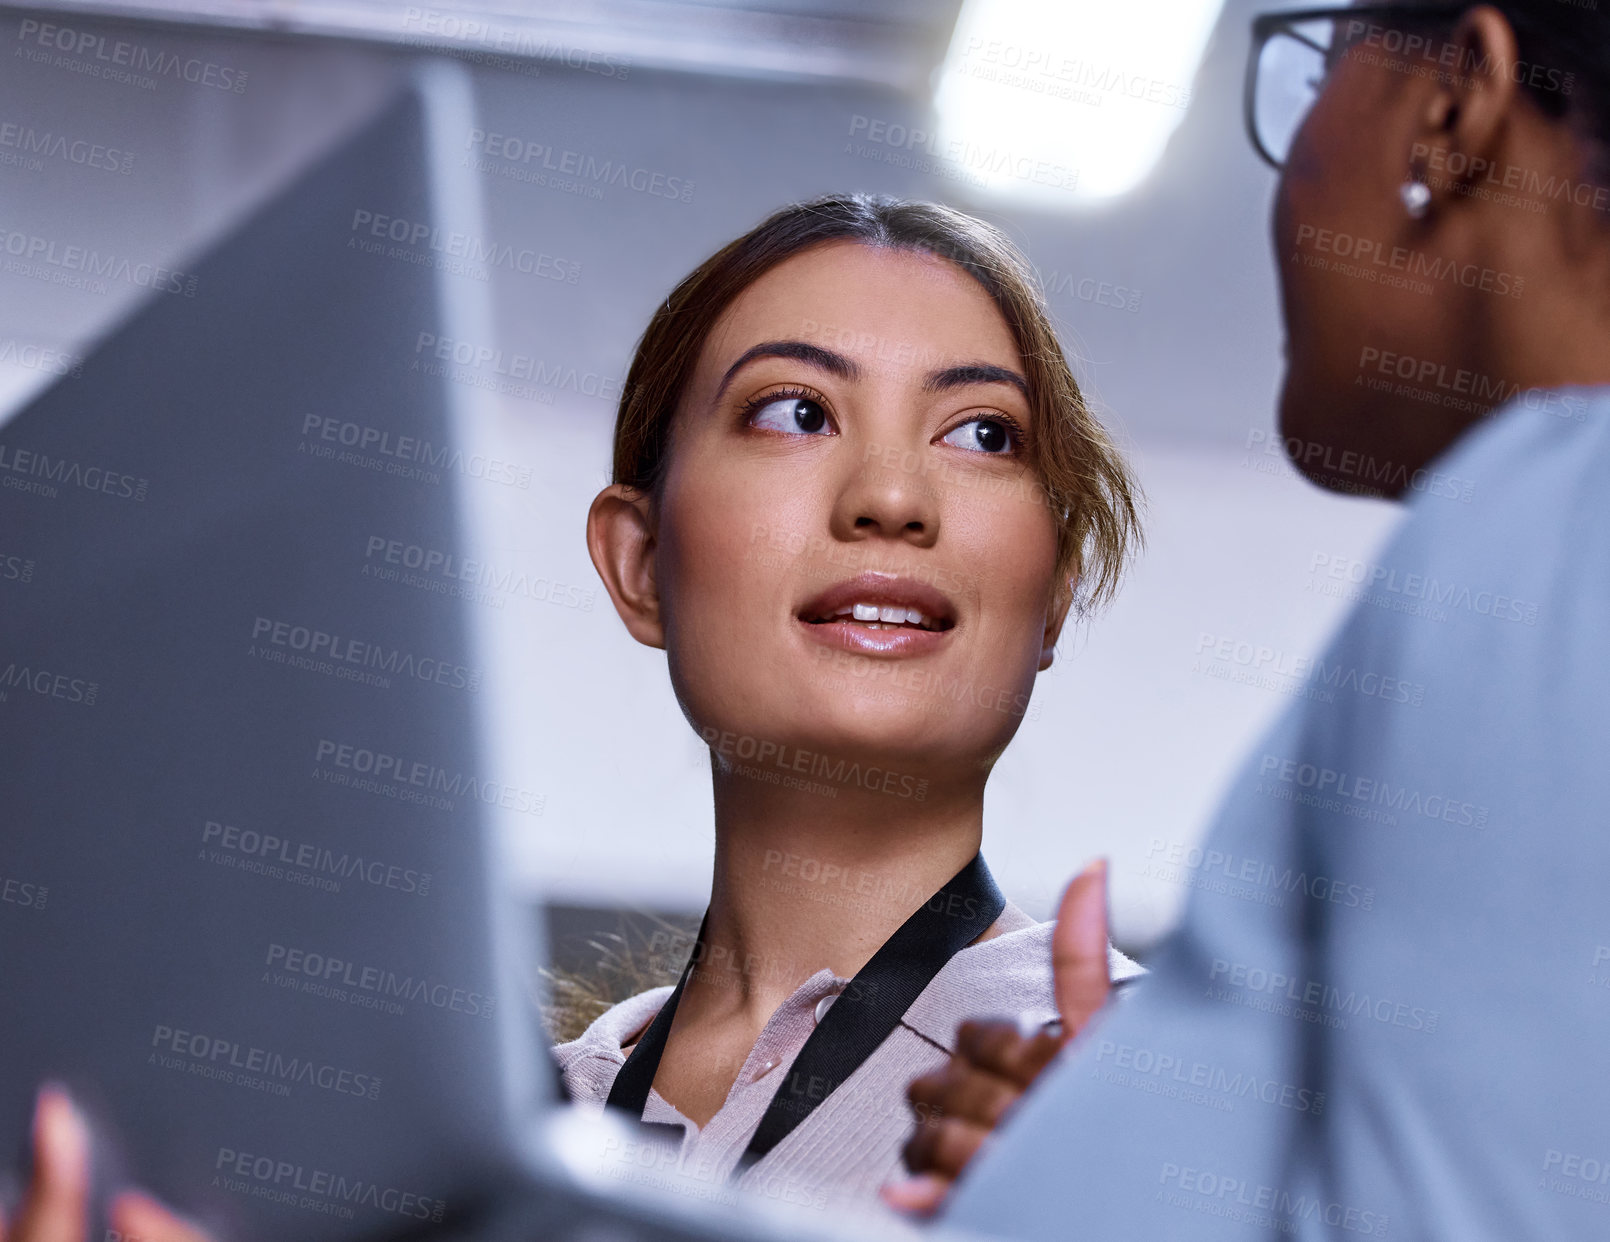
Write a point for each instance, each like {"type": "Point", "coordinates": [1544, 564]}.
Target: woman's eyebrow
{"type": "Point", "coordinates": [800, 351]}
{"type": "Point", "coordinates": [975, 373]}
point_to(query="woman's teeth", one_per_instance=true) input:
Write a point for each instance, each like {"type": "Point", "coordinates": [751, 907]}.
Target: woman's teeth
{"type": "Point", "coordinates": [878, 615]}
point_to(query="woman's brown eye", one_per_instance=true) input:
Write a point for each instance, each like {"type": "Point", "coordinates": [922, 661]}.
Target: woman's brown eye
{"type": "Point", "coordinates": [985, 435]}
{"type": "Point", "coordinates": [792, 414]}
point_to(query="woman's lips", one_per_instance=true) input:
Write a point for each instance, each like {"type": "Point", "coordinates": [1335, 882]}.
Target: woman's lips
{"type": "Point", "coordinates": [877, 613]}
{"type": "Point", "coordinates": [863, 638]}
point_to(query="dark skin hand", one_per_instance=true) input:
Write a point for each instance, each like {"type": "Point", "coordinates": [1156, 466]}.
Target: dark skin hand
{"type": "Point", "coordinates": [959, 1105]}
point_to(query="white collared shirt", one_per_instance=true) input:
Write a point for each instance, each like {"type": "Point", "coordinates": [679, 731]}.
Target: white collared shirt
{"type": "Point", "coordinates": [850, 1143]}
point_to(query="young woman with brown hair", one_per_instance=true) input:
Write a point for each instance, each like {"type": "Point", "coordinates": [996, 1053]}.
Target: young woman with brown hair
{"type": "Point", "coordinates": [856, 495]}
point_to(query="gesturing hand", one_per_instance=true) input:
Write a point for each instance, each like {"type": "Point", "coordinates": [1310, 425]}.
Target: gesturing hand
{"type": "Point", "coordinates": [56, 1207]}
{"type": "Point", "coordinates": [995, 1062]}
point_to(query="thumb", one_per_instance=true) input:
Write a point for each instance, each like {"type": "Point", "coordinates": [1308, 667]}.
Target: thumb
{"type": "Point", "coordinates": [1079, 948]}
{"type": "Point", "coordinates": [919, 1195]}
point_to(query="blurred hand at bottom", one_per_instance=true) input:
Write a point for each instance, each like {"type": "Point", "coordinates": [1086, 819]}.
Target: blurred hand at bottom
{"type": "Point", "coordinates": [56, 1206]}
{"type": "Point", "coordinates": [995, 1062]}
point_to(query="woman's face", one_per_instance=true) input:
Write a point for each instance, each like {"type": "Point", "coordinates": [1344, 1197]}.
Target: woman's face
{"type": "Point", "coordinates": [854, 438]}
{"type": "Point", "coordinates": [1346, 250]}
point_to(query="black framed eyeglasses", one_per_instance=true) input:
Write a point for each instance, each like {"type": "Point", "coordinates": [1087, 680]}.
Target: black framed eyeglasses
{"type": "Point", "coordinates": [1294, 51]}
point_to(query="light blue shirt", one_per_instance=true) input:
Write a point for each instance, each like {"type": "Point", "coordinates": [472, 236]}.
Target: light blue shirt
{"type": "Point", "coordinates": [1387, 1010]}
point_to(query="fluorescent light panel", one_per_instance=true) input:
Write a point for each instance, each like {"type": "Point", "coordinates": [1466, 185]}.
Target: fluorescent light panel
{"type": "Point", "coordinates": [1065, 102]}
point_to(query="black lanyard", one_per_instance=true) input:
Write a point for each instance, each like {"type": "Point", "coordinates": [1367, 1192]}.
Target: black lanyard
{"type": "Point", "coordinates": [856, 1023]}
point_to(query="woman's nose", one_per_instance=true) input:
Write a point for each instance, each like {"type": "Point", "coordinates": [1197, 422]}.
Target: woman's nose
{"type": "Point", "coordinates": [890, 494]}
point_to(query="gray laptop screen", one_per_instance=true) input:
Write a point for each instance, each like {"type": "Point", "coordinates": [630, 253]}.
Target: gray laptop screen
{"type": "Point", "coordinates": [248, 913]}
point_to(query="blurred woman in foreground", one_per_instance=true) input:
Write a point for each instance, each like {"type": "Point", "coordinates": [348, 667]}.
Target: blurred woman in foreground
{"type": "Point", "coordinates": [1442, 229]}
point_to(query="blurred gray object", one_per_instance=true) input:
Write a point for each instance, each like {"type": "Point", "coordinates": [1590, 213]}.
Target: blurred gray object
{"type": "Point", "coordinates": [894, 43]}
{"type": "Point", "coordinates": [262, 940]}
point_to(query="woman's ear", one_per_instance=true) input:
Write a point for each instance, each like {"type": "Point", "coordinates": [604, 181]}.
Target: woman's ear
{"type": "Point", "coordinates": [1054, 617]}
{"type": "Point", "coordinates": [620, 539]}
{"type": "Point", "coordinates": [1465, 117]}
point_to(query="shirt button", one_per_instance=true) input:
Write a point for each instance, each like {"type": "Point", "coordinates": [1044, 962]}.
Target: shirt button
{"type": "Point", "coordinates": [823, 1005]}
{"type": "Point", "coordinates": [764, 1070]}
